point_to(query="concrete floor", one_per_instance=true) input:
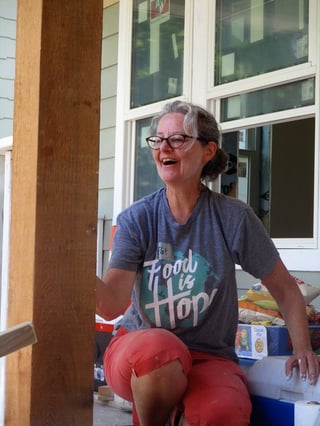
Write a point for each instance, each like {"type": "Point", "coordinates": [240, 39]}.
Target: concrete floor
{"type": "Point", "coordinates": [108, 414]}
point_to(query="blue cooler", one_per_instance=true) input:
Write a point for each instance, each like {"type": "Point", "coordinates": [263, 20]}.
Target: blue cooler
{"type": "Point", "coordinates": [273, 395]}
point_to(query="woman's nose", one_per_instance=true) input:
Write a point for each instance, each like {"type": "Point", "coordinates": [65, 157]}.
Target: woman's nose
{"type": "Point", "coordinates": [164, 146]}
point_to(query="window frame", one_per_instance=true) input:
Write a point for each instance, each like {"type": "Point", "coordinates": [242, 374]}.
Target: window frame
{"type": "Point", "coordinates": [126, 116]}
{"type": "Point", "coordinates": [274, 118]}
{"type": "Point", "coordinates": [198, 87]}
{"type": "Point", "coordinates": [297, 253]}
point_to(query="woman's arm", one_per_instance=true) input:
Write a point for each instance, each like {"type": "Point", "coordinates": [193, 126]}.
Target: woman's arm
{"type": "Point", "coordinates": [113, 292]}
{"type": "Point", "coordinates": [285, 291]}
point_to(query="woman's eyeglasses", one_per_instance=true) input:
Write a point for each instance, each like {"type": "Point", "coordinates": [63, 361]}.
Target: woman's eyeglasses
{"type": "Point", "coordinates": [174, 141]}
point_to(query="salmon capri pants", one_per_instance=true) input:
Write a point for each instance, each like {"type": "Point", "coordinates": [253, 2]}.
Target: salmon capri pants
{"type": "Point", "coordinates": [216, 395]}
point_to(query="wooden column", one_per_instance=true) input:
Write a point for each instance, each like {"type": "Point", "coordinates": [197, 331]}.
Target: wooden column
{"type": "Point", "coordinates": [54, 211]}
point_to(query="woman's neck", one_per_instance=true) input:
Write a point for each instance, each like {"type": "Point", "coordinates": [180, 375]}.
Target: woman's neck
{"type": "Point", "coordinates": [182, 202]}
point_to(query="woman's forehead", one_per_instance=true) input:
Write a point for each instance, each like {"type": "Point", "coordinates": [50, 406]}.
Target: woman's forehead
{"type": "Point", "coordinates": [173, 119]}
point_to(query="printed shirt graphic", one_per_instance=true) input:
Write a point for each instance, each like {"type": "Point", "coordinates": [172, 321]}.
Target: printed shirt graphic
{"type": "Point", "coordinates": [185, 278]}
{"type": "Point", "coordinates": [176, 289]}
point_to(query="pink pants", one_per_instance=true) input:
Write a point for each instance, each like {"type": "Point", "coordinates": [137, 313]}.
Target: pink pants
{"type": "Point", "coordinates": [217, 394]}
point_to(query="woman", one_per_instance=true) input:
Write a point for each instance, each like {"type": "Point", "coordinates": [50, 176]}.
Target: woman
{"type": "Point", "coordinates": [174, 256]}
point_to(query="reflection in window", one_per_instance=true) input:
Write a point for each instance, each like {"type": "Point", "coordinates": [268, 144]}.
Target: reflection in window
{"type": "Point", "coordinates": [258, 36]}
{"type": "Point", "coordinates": [157, 50]}
{"type": "Point", "coordinates": [146, 179]}
{"type": "Point", "coordinates": [278, 98]}
{"type": "Point", "coordinates": [272, 169]}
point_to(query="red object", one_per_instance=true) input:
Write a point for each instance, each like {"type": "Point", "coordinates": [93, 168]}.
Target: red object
{"type": "Point", "coordinates": [107, 328]}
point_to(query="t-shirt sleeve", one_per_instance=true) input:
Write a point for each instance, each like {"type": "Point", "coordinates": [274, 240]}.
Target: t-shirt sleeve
{"type": "Point", "coordinates": [252, 247]}
{"type": "Point", "coordinates": [126, 246]}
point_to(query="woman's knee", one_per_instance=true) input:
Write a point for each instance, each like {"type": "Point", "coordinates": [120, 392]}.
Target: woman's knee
{"type": "Point", "coordinates": [141, 352]}
{"type": "Point", "coordinates": [167, 382]}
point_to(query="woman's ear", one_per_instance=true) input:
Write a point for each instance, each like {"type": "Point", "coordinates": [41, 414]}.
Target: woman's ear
{"type": "Point", "coordinates": [210, 150]}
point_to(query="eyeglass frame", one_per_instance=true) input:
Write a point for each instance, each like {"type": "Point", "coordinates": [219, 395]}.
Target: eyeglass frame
{"type": "Point", "coordinates": [167, 140]}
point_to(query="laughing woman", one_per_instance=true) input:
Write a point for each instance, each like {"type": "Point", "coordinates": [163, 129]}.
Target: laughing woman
{"type": "Point", "coordinates": [174, 256]}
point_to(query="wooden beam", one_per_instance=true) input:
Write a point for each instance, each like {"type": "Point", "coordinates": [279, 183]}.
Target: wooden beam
{"type": "Point", "coordinates": [16, 338]}
{"type": "Point", "coordinates": [54, 211]}
{"type": "Point", "coordinates": [107, 3]}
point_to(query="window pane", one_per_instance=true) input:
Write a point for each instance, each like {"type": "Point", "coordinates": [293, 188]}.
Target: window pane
{"type": "Point", "coordinates": [146, 179]}
{"type": "Point", "coordinates": [157, 50]}
{"type": "Point", "coordinates": [279, 98]}
{"type": "Point", "coordinates": [272, 169]}
{"type": "Point", "coordinates": [258, 36]}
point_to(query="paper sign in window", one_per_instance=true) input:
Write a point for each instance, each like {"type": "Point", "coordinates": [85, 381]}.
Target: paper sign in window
{"type": "Point", "coordinates": [227, 64]}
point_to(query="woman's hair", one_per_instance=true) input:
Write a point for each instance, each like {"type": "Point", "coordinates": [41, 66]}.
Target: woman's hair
{"type": "Point", "coordinates": [201, 124]}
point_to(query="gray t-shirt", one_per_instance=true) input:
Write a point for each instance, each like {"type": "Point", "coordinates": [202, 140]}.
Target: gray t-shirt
{"type": "Point", "coordinates": [186, 272]}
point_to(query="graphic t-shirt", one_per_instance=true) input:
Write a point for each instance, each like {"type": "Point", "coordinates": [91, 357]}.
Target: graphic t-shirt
{"type": "Point", "coordinates": [186, 272]}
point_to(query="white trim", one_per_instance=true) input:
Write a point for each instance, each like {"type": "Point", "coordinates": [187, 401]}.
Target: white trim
{"type": "Point", "coordinates": [259, 82]}
{"type": "Point", "coordinates": [123, 93]}
{"type": "Point", "coordinates": [5, 148]}
{"type": "Point", "coordinates": [211, 45]}
{"type": "Point", "coordinates": [6, 144]}
{"type": "Point", "coordinates": [271, 118]}
{"type": "Point", "coordinates": [301, 259]}
{"type": "Point", "coordinates": [6, 241]}
{"type": "Point", "coordinates": [188, 56]}
{"type": "Point", "coordinates": [100, 235]}
{"type": "Point", "coordinates": [313, 14]}
{"type": "Point", "coordinates": [296, 243]}
{"type": "Point", "coordinates": [200, 17]}
{"type": "Point", "coordinates": [131, 131]}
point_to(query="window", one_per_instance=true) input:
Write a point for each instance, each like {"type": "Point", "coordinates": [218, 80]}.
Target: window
{"type": "Point", "coordinates": [258, 36]}
{"type": "Point", "coordinates": [146, 178]}
{"type": "Point", "coordinates": [272, 158]}
{"type": "Point", "coordinates": [157, 51]}
{"type": "Point", "coordinates": [272, 169]}
{"type": "Point", "coordinates": [278, 98]}
{"type": "Point", "coordinates": [254, 64]}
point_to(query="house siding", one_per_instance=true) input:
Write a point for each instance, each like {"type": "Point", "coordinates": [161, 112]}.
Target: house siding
{"type": "Point", "coordinates": [108, 123]}
{"type": "Point", "coordinates": [8, 11]}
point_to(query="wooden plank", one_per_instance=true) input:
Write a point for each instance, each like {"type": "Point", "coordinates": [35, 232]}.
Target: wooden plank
{"type": "Point", "coordinates": [54, 211]}
{"type": "Point", "coordinates": [17, 337]}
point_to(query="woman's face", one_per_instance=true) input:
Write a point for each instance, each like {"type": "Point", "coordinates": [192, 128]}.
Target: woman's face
{"type": "Point", "coordinates": [178, 166]}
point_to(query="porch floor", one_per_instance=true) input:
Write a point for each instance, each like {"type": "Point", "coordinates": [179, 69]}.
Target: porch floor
{"type": "Point", "coordinates": [107, 414]}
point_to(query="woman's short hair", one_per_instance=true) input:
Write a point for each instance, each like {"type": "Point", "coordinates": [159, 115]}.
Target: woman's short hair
{"type": "Point", "coordinates": [201, 124]}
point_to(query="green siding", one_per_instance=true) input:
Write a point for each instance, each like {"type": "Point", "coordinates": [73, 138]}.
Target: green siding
{"type": "Point", "coordinates": [108, 122]}
{"type": "Point", "coordinates": [8, 10]}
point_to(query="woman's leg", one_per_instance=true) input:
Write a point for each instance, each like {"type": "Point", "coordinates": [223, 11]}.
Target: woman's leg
{"type": "Point", "coordinates": [217, 394]}
{"type": "Point", "coordinates": [157, 393]}
{"type": "Point", "coordinates": [148, 367]}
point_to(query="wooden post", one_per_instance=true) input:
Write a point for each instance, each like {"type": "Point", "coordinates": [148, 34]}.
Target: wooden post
{"type": "Point", "coordinates": [54, 211]}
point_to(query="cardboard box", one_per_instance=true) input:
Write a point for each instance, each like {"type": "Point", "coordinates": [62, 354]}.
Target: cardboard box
{"type": "Point", "coordinates": [257, 341]}
{"type": "Point", "coordinates": [251, 341]}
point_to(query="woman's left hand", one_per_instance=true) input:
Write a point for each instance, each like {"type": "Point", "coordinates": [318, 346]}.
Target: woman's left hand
{"type": "Point", "coordinates": [308, 364]}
